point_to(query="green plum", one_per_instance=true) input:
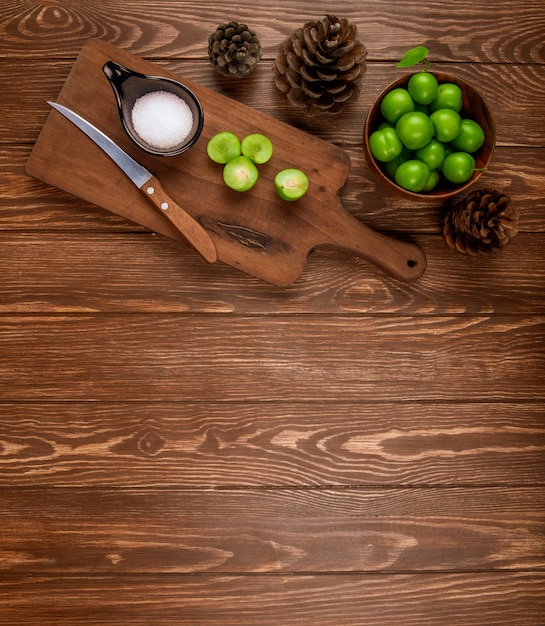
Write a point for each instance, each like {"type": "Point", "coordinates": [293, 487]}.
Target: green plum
{"type": "Point", "coordinates": [433, 180]}
{"type": "Point", "coordinates": [470, 138]}
{"type": "Point", "coordinates": [385, 145]}
{"type": "Point", "coordinates": [412, 175]}
{"type": "Point", "coordinates": [432, 154]}
{"type": "Point", "coordinates": [257, 147]}
{"type": "Point", "coordinates": [291, 184]}
{"type": "Point", "coordinates": [223, 147]}
{"type": "Point", "coordinates": [240, 173]}
{"type": "Point", "coordinates": [458, 167]}
{"type": "Point", "coordinates": [446, 124]}
{"type": "Point", "coordinates": [414, 129]}
{"type": "Point", "coordinates": [390, 167]}
{"type": "Point", "coordinates": [449, 96]}
{"type": "Point", "coordinates": [423, 87]}
{"type": "Point", "coordinates": [395, 103]}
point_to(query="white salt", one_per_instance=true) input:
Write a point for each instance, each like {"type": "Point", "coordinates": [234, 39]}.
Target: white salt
{"type": "Point", "coordinates": [162, 119]}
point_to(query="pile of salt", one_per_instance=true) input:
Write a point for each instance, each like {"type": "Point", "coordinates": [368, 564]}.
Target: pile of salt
{"type": "Point", "coordinates": [162, 119]}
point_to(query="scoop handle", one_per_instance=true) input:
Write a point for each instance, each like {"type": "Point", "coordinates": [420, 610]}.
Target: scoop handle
{"type": "Point", "coordinates": [402, 260]}
{"type": "Point", "coordinates": [195, 234]}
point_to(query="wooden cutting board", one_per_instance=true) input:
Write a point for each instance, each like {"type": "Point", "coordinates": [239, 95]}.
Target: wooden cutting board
{"type": "Point", "coordinates": [255, 231]}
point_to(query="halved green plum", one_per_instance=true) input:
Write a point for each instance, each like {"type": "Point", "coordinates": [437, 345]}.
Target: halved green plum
{"type": "Point", "coordinates": [291, 184]}
{"type": "Point", "coordinates": [240, 173]}
{"type": "Point", "coordinates": [223, 147]}
{"type": "Point", "coordinates": [257, 147]}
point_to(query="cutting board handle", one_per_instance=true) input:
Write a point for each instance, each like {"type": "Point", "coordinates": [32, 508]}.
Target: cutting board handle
{"type": "Point", "coordinates": [402, 260]}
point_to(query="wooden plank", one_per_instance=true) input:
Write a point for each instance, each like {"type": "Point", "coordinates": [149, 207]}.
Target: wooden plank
{"type": "Point", "coordinates": [68, 273]}
{"type": "Point", "coordinates": [347, 600]}
{"type": "Point", "coordinates": [264, 531]}
{"type": "Point", "coordinates": [470, 31]}
{"type": "Point", "coordinates": [301, 358]}
{"type": "Point", "coordinates": [207, 445]}
{"type": "Point", "coordinates": [30, 205]}
{"type": "Point", "coordinates": [516, 103]}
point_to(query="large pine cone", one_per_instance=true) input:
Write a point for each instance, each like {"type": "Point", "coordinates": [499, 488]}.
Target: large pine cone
{"type": "Point", "coordinates": [321, 65]}
{"type": "Point", "coordinates": [234, 49]}
{"type": "Point", "coordinates": [485, 220]}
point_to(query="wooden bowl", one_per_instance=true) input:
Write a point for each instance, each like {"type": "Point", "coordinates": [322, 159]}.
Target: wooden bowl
{"type": "Point", "coordinates": [473, 107]}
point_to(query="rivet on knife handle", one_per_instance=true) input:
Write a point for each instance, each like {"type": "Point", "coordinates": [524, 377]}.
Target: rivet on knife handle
{"type": "Point", "coordinates": [189, 227]}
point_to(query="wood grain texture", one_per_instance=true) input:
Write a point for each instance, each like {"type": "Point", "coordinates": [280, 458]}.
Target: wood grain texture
{"type": "Point", "coordinates": [513, 99]}
{"type": "Point", "coordinates": [197, 445]}
{"type": "Point", "coordinates": [30, 205]}
{"type": "Point", "coordinates": [152, 274]}
{"type": "Point", "coordinates": [182, 444]}
{"type": "Point", "coordinates": [469, 31]}
{"type": "Point", "coordinates": [265, 531]}
{"type": "Point", "coordinates": [191, 358]}
{"type": "Point", "coordinates": [347, 600]}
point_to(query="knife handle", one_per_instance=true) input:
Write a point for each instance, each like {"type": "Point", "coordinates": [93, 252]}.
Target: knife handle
{"type": "Point", "coordinates": [197, 236]}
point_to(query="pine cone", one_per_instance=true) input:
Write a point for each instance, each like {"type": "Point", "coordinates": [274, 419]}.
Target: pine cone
{"type": "Point", "coordinates": [483, 221]}
{"type": "Point", "coordinates": [320, 66]}
{"type": "Point", "coordinates": [234, 49]}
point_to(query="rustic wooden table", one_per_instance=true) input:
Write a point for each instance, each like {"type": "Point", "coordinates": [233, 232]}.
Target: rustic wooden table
{"type": "Point", "coordinates": [182, 443]}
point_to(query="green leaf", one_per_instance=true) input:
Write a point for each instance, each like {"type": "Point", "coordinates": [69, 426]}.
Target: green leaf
{"type": "Point", "coordinates": [413, 56]}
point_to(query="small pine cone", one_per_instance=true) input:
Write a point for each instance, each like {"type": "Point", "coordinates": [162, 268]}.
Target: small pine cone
{"type": "Point", "coordinates": [321, 65]}
{"type": "Point", "coordinates": [234, 49]}
{"type": "Point", "coordinates": [485, 220]}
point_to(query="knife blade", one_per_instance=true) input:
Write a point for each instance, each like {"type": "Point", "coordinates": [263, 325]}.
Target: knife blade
{"type": "Point", "coordinates": [148, 184]}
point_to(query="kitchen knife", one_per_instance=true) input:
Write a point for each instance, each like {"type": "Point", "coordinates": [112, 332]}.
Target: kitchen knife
{"type": "Point", "coordinates": [150, 186]}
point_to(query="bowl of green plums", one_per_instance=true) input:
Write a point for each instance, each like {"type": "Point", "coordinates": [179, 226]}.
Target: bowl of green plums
{"type": "Point", "coordinates": [429, 136]}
